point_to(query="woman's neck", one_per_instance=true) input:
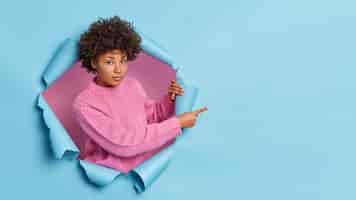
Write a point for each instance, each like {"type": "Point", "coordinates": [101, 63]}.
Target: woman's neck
{"type": "Point", "coordinates": [99, 82]}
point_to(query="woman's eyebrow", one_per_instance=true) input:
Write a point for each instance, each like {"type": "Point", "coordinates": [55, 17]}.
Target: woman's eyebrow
{"type": "Point", "coordinates": [123, 57]}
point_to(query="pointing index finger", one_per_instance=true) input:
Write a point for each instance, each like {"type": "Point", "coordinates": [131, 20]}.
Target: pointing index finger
{"type": "Point", "coordinates": [200, 110]}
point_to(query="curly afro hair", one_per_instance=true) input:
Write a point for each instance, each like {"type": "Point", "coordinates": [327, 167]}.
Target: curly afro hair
{"type": "Point", "coordinates": [105, 35]}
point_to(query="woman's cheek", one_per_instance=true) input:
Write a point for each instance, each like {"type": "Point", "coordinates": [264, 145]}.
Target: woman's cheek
{"type": "Point", "coordinates": [109, 71]}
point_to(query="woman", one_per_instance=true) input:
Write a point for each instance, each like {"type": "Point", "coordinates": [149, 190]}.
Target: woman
{"type": "Point", "coordinates": [124, 126]}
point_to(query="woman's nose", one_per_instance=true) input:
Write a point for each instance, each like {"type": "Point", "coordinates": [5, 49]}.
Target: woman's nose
{"type": "Point", "coordinates": [117, 68]}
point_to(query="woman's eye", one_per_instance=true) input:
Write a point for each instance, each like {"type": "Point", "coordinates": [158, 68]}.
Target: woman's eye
{"type": "Point", "coordinates": [109, 62]}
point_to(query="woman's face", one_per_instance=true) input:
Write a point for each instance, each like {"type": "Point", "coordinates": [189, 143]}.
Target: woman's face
{"type": "Point", "coordinates": [111, 67]}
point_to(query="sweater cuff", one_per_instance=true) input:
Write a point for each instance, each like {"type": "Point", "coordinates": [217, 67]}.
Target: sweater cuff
{"type": "Point", "coordinates": [171, 126]}
{"type": "Point", "coordinates": [166, 101]}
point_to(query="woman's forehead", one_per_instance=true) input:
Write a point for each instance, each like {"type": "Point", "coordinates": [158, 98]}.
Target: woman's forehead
{"type": "Point", "coordinates": [116, 53]}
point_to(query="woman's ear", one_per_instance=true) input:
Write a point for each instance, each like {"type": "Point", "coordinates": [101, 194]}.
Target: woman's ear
{"type": "Point", "coordinates": [93, 64]}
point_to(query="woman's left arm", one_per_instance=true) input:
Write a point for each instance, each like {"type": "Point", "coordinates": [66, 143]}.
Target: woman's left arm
{"type": "Point", "coordinates": [156, 110]}
{"type": "Point", "coordinates": [159, 110]}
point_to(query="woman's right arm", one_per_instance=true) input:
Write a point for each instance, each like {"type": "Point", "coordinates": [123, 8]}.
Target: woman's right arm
{"type": "Point", "coordinates": [121, 141]}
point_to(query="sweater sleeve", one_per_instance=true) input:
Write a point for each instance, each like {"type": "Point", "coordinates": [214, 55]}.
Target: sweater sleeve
{"type": "Point", "coordinates": [120, 140]}
{"type": "Point", "coordinates": [156, 110]}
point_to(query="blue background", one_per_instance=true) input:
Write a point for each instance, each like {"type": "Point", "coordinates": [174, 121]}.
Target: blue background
{"type": "Point", "coordinates": [277, 77]}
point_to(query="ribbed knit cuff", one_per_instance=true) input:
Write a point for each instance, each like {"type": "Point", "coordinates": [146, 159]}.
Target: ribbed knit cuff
{"type": "Point", "coordinates": [171, 126]}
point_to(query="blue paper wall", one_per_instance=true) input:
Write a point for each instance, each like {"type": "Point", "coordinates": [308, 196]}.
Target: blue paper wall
{"type": "Point", "coordinates": [277, 77]}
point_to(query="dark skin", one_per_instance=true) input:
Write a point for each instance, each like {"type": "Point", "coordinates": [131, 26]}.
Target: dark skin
{"type": "Point", "coordinates": [187, 119]}
{"type": "Point", "coordinates": [110, 69]}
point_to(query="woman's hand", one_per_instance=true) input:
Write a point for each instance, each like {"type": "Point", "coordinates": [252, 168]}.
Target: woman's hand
{"type": "Point", "coordinates": [188, 119]}
{"type": "Point", "coordinates": [174, 89]}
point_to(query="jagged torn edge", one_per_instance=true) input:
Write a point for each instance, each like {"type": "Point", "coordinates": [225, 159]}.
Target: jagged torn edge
{"type": "Point", "coordinates": [63, 146]}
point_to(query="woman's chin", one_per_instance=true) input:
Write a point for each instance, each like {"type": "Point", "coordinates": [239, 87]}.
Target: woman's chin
{"type": "Point", "coordinates": [115, 83]}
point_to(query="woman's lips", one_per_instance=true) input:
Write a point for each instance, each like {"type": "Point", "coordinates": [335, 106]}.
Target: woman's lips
{"type": "Point", "coordinates": [117, 78]}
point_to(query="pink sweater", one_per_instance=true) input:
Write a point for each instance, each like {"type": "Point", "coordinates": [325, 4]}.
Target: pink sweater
{"type": "Point", "coordinates": [124, 126]}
